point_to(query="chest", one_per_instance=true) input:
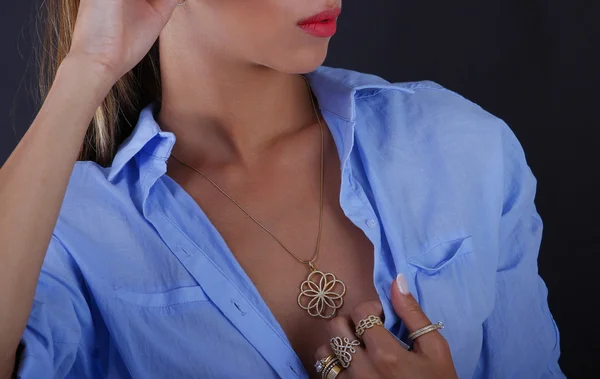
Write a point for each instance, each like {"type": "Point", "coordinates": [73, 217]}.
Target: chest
{"type": "Point", "coordinates": [344, 251]}
{"type": "Point", "coordinates": [289, 210]}
{"type": "Point", "coordinates": [208, 331]}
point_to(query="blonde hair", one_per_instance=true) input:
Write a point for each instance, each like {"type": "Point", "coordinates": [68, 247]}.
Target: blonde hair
{"type": "Point", "coordinates": [116, 116]}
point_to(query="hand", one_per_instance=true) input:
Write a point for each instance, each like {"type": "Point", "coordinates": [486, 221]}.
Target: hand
{"type": "Point", "coordinates": [117, 34]}
{"type": "Point", "coordinates": [381, 356]}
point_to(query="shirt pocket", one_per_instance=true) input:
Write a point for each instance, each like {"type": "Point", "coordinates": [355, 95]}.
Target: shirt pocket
{"type": "Point", "coordinates": [157, 333]}
{"type": "Point", "coordinates": [454, 286]}
{"type": "Point", "coordinates": [441, 255]}
{"type": "Point", "coordinates": [177, 296]}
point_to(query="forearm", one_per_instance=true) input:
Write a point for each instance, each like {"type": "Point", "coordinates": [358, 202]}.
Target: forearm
{"type": "Point", "coordinates": [7, 366]}
{"type": "Point", "coordinates": [33, 182]}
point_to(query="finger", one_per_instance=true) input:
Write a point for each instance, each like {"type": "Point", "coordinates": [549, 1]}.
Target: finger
{"type": "Point", "coordinates": [377, 339]}
{"type": "Point", "coordinates": [360, 366]}
{"type": "Point", "coordinates": [165, 8]}
{"type": "Point", "coordinates": [323, 352]}
{"type": "Point", "coordinates": [413, 316]}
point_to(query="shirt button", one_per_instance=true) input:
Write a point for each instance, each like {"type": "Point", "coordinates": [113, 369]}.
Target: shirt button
{"type": "Point", "coordinates": [371, 223]}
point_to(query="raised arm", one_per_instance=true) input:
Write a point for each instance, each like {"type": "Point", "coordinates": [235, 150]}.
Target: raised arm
{"type": "Point", "coordinates": [110, 38]}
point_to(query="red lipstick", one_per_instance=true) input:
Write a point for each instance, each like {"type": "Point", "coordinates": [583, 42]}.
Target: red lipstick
{"type": "Point", "coordinates": [322, 24]}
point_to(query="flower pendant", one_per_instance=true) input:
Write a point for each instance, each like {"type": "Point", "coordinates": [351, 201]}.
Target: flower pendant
{"type": "Point", "coordinates": [321, 294]}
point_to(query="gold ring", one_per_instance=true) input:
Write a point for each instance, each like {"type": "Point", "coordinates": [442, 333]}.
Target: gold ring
{"type": "Point", "coordinates": [333, 372]}
{"type": "Point", "coordinates": [367, 323]}
{"type": "Point", "coordinates": [329, 367]}
{"type": "Point", "coordinates": [343, 349]}
{"type": "Point", "coordinates": [429, 328]}
{"type": "Point", "coordinates": [322, 363]}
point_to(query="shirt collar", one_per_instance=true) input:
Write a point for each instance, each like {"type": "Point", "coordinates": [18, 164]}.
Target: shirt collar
{"type": "Point", "coordinates": [146, 136]}
{"type": "Point", "coordinates": [334, 88]}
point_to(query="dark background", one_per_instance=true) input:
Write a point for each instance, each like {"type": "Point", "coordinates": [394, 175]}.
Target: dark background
{"type": "Point", "coordinates": [533, 63]}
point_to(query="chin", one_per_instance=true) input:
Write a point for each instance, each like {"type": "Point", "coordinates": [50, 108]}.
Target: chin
{"type": "Point", "coordinates": [302, 60]}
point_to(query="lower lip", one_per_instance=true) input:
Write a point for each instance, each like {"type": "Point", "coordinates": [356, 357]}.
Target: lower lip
{"type": "Point", "coordinates": [320, 29]}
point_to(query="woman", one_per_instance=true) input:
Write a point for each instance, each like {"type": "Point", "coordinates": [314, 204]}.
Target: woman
{"type": "Point", "coordinates": [280, 230]}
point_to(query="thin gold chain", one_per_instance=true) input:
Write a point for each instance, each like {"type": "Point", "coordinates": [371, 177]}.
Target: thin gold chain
{"type": "Point", "coordinates": [318, 244]}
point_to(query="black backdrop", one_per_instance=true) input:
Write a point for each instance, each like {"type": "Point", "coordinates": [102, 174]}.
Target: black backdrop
{"type": "Point", "coordinates": [533, 63]}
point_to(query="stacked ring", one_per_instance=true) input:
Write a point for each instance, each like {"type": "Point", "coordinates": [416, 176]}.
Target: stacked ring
{"type": "Point", "coordinates": [429, 328]}
{"type": "Point", "coordinates": [367, 323]}
{"type": "Point", "coordinates": [329, 367]}
{"type": "Point", "coordinates": [331, 371]}
{"type": "Point", "coordinates": [322, 363]}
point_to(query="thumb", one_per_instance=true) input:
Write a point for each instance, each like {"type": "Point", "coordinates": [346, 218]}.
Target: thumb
{"type": "Point", "coordinates": [410, 311]}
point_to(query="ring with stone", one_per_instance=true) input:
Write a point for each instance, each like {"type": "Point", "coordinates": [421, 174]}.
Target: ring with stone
{"type": "Point", "coordinates": [329, 367]}
{"type": "Point", "coordinates": [321, 363]}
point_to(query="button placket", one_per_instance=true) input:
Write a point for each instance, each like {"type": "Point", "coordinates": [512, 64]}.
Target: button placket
{"type": "Point", "coordinates": [204, 264]}
{"type": "Point", "coordinates": [241, 313]}
{"type": "Point", "coordinates": [363, 216]}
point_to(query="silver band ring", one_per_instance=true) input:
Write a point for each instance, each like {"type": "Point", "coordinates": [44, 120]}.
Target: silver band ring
{"type": "Point", "coordinates": [343, 349]}
{"type": "Point", "coordinates": [429, 328]}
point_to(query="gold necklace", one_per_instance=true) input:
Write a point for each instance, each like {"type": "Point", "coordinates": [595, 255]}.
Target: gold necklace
{"type": "Point", "coordinates": [321, 294]}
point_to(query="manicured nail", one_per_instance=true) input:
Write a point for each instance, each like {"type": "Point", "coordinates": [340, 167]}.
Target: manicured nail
{"type": "Point", "coordinates": [402, 284]}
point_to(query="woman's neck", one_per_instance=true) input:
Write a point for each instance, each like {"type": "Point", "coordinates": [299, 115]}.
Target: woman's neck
{"type": "Point", "coordinates": [226, 113]}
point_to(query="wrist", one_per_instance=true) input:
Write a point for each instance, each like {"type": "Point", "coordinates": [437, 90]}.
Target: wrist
{"type": "Point", "coordinates": [78, 89]}
{"type": "Point", "coordinates": [93, 75]}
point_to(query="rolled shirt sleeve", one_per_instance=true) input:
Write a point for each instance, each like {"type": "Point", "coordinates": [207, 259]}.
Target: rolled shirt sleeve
{"type": "Point", "coordinates": [58, 340]}
{"type": "Point", "coordinates": [521, 339]}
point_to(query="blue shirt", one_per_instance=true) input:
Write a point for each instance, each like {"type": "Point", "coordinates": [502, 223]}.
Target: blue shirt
{"type": "Point", "coordinates": [137, 283]}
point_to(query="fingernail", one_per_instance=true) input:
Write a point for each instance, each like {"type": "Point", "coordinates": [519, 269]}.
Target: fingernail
{"type": "Point", "coordinates": [402, 284]}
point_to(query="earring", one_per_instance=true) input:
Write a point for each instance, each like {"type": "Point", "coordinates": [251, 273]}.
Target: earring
{"type": "Point", "coordinates": [182, 3]}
